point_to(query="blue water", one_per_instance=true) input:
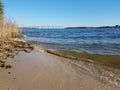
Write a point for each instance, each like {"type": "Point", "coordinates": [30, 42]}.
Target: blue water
{"type": "Point", "coordinates": [101, 41]}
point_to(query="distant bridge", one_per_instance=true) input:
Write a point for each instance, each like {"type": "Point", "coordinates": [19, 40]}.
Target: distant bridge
{"type": "Point", "coordinates": [45, 27]}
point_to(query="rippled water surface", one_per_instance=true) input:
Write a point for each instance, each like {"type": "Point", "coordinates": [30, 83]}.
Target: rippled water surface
{"type": "Point", "coordinates": [92, 49]}
{"type": "Point", "coordinates": [101, 41]}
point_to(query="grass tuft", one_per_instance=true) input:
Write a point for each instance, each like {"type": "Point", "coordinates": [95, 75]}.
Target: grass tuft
{"type": "Point", "coordinates": [9, 29]}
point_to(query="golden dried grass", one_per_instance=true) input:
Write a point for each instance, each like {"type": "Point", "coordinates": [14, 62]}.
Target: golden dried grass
{"type": "Point", "coordinates": [9, 29]}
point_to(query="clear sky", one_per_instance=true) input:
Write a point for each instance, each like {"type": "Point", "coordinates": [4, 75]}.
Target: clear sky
{"type": "Point", "coordinates": [63, 12]}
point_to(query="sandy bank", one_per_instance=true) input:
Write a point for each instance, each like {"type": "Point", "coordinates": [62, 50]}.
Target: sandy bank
{"type": "Point", "coordinates": [10, 48]}
{"type": "Point", "coordinates": [43, 71]}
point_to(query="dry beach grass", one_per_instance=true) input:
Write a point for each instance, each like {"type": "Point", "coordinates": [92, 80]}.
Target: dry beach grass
{"type": "Point", "coordinates": [9, 30]}
{"type": "Point", "coordinates": [8, 46]}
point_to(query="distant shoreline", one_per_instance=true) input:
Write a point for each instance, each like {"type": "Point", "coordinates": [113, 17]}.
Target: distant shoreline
{"type": "Point", "coordinates": [116, 26]}
{"type": "Point", "coordinates": [79, 27]}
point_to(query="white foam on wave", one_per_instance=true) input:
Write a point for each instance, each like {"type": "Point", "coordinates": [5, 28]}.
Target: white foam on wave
{"type": "Point", "coordinates": [37, 48]}
{"type": "Point", "coordinates": [17, 39]}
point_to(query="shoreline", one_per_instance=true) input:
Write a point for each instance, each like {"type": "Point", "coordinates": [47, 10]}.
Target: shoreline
{"type": "Point", "coordinates": [103, 73]}
{"type": "Point", "coordinates": [40, 70]}
{"type": "Point", "coordinates": [79, 66]}
{"type": "Point", "coordinates": [10, 48]}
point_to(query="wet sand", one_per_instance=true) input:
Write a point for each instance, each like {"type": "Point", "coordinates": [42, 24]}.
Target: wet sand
{"type": "Point", "coordinates": [44, 71]}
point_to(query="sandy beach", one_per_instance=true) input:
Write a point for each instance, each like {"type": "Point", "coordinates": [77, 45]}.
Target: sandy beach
{"type": "Point", "coordinates": [59, 45]}
{"type": "Point", "coordinates": [40, 70]}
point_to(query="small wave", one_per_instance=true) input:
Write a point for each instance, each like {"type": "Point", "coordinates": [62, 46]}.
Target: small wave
{"type": "Point", "coordinates": [17, 39]}
{"type": "Point", "coordinates": [47, 43]}
{"type": "Point", "coordinates": [37, 48]}
{"type": "Point", "coordinates": [24, 36]}
{"type": "Point", "coordinates": [107, 60]}
{"type": "Point", "coordinates": [105, 67]}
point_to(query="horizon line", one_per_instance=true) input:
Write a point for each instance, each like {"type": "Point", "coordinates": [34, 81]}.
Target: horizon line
{"type": "Point", "coordinates": [47, 26]}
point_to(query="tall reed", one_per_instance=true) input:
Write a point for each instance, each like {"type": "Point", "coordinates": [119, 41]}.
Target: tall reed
{"type": "Point", "coordinates": [9, 29]}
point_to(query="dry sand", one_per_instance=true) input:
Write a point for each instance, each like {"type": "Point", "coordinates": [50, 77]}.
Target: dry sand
{"type": "Point", "coordinates": [44, 71]}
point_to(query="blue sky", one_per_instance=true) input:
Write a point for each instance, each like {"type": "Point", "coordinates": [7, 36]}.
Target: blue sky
{"type": "Point", "coordinates": [63, 12]}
